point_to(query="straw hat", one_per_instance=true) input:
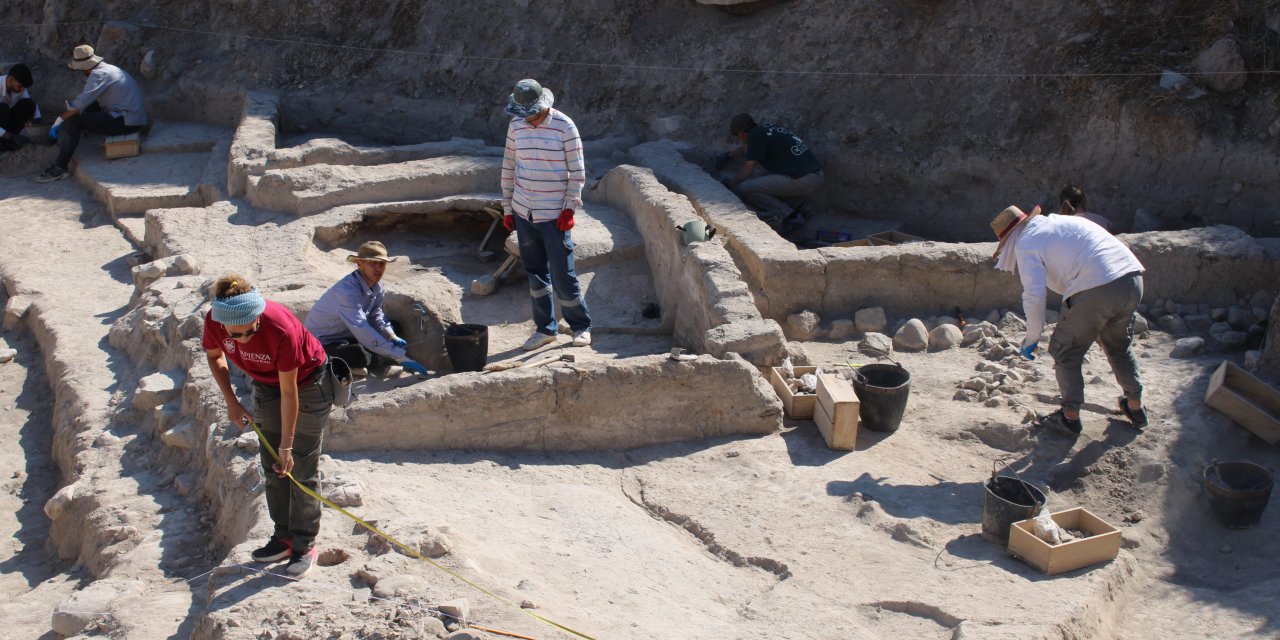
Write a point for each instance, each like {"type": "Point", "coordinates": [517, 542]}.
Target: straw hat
{"type": "Point", "coordinates": [371, 250]}
{"type": "Point", "coordinates": [83, 58]}
{"type": "Point", "coordinates": [1008, 220]}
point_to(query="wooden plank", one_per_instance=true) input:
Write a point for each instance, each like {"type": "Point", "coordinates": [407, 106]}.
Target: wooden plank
{"type": "Point", "coordinates": [1248, 401]}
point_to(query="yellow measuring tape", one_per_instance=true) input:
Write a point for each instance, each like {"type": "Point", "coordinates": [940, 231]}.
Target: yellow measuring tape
{"type": "Point", "coordinates": [413, 552]}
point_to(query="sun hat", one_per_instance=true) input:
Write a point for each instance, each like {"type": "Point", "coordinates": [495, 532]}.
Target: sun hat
{"type": "Point", "coordinates": [1006, 221]}
{"type": "Point", "coordinates": [241, 309]}
{"type": "Point", "coordinates": [741, 123]}
{"type": "Point", "coordinates": [83, 58]}
{"type": "Point", "coordinates": [22, 73]}
{"type": "Point", "coordinates": [529, 98]}
{"type": "Point", "coordinates": [371, 250]}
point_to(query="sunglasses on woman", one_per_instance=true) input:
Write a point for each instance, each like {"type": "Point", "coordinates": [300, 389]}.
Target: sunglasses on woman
{"type": "Point", "coordinates": [244, 334]}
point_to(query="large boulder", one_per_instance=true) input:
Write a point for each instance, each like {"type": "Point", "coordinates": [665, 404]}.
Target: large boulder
{"type": "Point", "coordinates": [876, 343]}
{"type": "Point", "coordinates": [945, 336]}
{"type": "Point", "coordinates": [841, 330]}
{"type": "Point", "coordinates": [1188, 347]}
{"type": "Point", "coordinates": [803, 326]}
{"type": "Point", "coordinates": [870, 320]}
{"type": "Point", "coordinates": [912, 336]}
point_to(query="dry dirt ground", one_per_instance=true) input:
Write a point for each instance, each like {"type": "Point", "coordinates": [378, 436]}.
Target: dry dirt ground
{"type": "Point", "coordinates": [767, 537]}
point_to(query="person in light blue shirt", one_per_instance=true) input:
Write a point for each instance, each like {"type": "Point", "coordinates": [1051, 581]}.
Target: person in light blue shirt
{"type": "Point", "coordinates": [110, 104]}
{"type": "Point", "coordinates": [349, 322]}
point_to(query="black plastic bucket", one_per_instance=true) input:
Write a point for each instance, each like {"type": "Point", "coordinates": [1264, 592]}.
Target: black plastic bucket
{"type": "Point", "coordinates": [1238, 492]}
{"type": "Point", "coordinates": [882, 391]}
{"type": "Point", "coordinates": [467, 346]}
{"type": "Point", "coordinates": [1008, 500]}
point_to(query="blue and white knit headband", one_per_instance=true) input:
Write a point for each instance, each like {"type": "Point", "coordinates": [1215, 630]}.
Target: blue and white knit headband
{"type": "Point", "coordinates": [241, 309]}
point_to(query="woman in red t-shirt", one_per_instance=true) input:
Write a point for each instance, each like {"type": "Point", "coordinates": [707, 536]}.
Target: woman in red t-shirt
{"type": "Point", "coordinates": [292, 396]}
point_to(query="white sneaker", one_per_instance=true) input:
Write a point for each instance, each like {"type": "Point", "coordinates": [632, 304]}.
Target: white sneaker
{"type": "Point", "coordinates": [536, 340]}
{"type": "Point", "coordinates": [582, 338]}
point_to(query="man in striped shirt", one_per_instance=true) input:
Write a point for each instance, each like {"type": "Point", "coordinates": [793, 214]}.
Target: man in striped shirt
{"type": "Point", "coordinates": [542, 177]}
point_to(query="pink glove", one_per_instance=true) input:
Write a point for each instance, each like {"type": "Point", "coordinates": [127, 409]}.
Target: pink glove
{"type": "Point", "coordinates": [509, 223]}
{"type": "Point", "coordinates": [565, 221]}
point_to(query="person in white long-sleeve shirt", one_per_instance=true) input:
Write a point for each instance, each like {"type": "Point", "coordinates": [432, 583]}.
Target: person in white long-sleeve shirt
{"type": "Point", "coordinates": [543, 172]}
{"type": "Point", "coordinates": [1100, 281]}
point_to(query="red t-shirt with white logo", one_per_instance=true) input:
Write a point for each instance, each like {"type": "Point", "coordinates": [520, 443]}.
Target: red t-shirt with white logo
{"type": "Point", "coordinates": [281, 344]}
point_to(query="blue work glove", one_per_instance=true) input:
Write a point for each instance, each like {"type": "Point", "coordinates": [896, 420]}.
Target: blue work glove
{"type": "Point", "coordinates": [1028, 351]}
{"type": "Point", "coordinates": [399, 343]}
{"type": "Point", "coordinates": [53, 131]}
{"type": "Point", "coordinates": [727, 182]}
{"type": "Point", "coordinates": [414, 368]}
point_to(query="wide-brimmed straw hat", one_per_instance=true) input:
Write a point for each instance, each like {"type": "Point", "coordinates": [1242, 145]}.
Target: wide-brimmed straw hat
{"type": "Point", "coordinates": [83, 58]}
{"type": "Point", "coordinates": [371, 250]}
{"type": "Point", "coordinates": [529, 98]}
{"type": "Point", "coordinates": [1008, 220]}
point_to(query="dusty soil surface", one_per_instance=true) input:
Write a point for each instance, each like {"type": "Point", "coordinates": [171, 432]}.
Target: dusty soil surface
{"type": "Point", "coordinates": [32, 580]}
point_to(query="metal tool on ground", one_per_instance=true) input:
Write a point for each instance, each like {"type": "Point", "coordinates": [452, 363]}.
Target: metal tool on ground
{"type": "Point", "coordinates": [880, 354]}
{"type": "Point", "coordinates": [518, 364]}
{"type": "Point", "coordinates": [487, 284]}
{"type": "Point", "coordinates": [482, 254]}
{"type": "Point", "coordinates": [422, 320]}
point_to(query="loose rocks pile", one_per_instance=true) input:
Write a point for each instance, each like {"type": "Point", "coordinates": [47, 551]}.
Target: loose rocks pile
{"type": "Point", "coordinates": [1003, 372]}
{"type": "Point", "coordinates": [1239, 326]}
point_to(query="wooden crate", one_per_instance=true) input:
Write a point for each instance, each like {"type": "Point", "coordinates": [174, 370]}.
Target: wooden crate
{"type": "Point", "coordinates": [1252, 403]}
{"type": "Point", "coordinates": [125, 146]}
{"type": "Point", "coordinates": [1103, 545]}
{"type": "Point", "coordinates": [861, 242]}
{"type": "Point", "coordinates": [797, 406]}
{"type": "Point", "coordinates": [837, 412]}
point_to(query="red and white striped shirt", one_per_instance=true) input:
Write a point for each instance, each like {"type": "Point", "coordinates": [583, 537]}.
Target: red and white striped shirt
{"type": "Point", "coordinates": [543, 171]}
